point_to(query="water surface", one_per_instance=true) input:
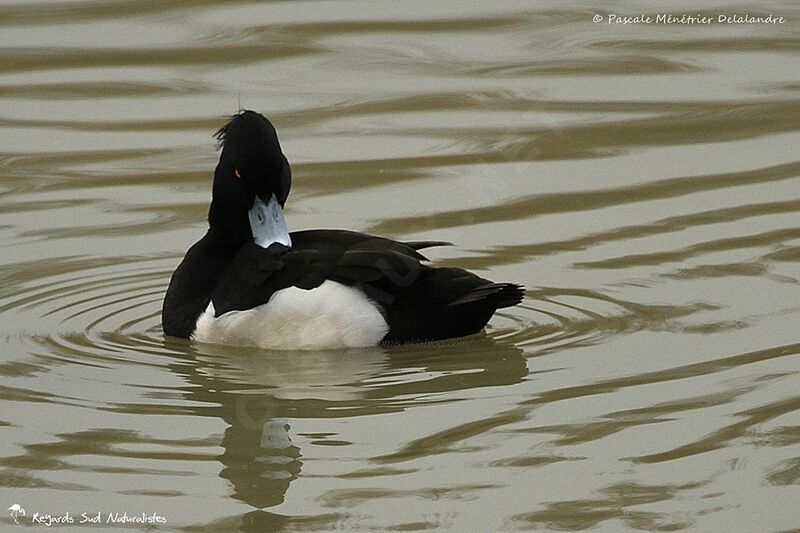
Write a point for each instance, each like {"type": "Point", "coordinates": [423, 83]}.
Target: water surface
{"type": "Point", "coordinates": [642, 181]}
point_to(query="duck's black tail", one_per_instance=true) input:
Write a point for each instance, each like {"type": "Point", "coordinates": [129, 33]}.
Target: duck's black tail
{"type": "Point", "coordinates": [419, 245]}
{"type": "Point", "coordinates": [497, 295]}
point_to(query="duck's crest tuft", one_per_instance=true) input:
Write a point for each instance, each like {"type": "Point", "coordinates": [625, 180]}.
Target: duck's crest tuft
{"type": "Point", "coordinates": [222, 133]}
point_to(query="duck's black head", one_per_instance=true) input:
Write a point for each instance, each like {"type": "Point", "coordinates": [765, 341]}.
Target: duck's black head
{"type": "Point", "coordinates": [251, 164]}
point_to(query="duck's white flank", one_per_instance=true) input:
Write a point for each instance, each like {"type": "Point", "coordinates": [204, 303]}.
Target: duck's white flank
{"type": "Point", "coordinates": [327, 317]}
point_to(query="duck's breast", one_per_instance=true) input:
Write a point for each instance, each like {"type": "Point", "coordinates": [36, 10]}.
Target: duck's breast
{"type": "Point", "coordinates": [330, 316]}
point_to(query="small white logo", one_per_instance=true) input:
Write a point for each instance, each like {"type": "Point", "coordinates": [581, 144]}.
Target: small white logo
{"type": "Point", "coordinates": [16, 510]}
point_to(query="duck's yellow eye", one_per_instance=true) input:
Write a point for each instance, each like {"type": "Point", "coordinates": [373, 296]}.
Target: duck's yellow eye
{"type": "Point", "coordinates": [236, 171]}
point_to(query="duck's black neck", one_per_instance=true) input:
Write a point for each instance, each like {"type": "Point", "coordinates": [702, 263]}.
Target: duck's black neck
{"type": "Point", "coordinates": [228, 224]}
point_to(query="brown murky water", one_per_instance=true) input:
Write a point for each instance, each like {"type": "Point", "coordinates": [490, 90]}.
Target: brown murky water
{"type": "Point", "coordinates": [641, 180]}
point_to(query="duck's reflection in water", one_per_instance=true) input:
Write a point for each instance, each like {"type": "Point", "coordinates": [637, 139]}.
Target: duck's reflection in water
{"type": "Point", "coordinates": [260, 464]}
{"type": "Point", "coordinates": [259, 393]}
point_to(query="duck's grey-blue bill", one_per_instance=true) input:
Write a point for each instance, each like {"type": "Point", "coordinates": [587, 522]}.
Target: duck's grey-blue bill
{"type": "Point", "coordinates": [268, 224]}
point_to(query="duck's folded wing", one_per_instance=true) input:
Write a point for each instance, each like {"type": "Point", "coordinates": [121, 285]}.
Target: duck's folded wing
{"type": "Point", "coordinates": [247, 280]}
{"type": "Point", "coordinates": [369, 265]}
{"type": "Point", "coordinates": [351, 258]}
